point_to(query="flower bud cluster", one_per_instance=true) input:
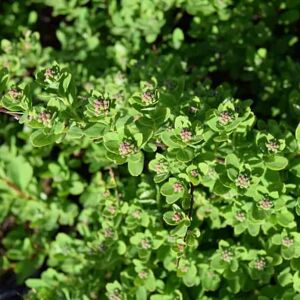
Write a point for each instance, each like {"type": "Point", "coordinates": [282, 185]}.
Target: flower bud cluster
{"type": "Point", "coordinates": [115, 295]}
{"type": "Point", "coordinates": [15, 93]}
{"type": "Point", "coordinates": [226, 255]}
{"type": "Point", "coordinates": [265, 204]}
{"type": "Point", "coordinates": [49, 73]}
{"type": "Point", "coordinates": [287, 242]}
{"type": "Point", "coordinates": [194, 173]}
{"type": "Point", "coordinates": [272, 146]}
{"type": "Point", "coordinates": [148, 97]}
{"type": "Point", "coordinates": [143, 274]}
{"type": "Point", "coordinates": [240, 216]}
{"type": "Point", "coordinates": [44, 118]}
{"type": "Point", "coordinates": [260, 264]}
{"type": "Point", "coordinates": [145, 244]}
{"type": "Point", "coordinates": [177, 217]}
{"type": "Point", "coordinates": [161, 167]}
{"type": "Point", "coordinates": [186, 135]}
{"type": "Point", "coordinates": [126, 148]}
{"type": "Point", "coordinates": [137, 214]}
{"type": "Point", "coordinates": [177, 187]}
{"type": "Point", "coordinates": [242, 181]}
{"type": "Point", "coordinates": [225, 117]}
{"type": "Point", "coordinates": [100, 106]}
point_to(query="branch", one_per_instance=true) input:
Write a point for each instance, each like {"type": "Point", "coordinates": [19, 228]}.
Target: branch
{"type": "Point", "coordinates": [16, 115]}
{"type": "Point", "coordinates": [190, 214]}
{"type": "Point", "coordinates": [112, 175]}
{"type": "Point", "coordinates": [16, 190]}
{"type": "Point", "coordinates": [191, 208]}
{"type": "Point", "coordinates": [192, 202]}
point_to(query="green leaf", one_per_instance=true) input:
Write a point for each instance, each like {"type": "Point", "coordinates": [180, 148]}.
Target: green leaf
{"type": "Point", "coordinates": [285, 218]}
{"type": "Point", "coordinates": [217, 263]}
{"type": "Point", "coordinates": [178, 38]}
{"type": "Point", "coordinates": [20, 172]}
{"type": "Point", "coordinates": [180, 230]}
{"type": "Point", "coordinates": [150, 282]}
{"type": "Point", "coordinates": [210, 283]}
{"type": "Point", "coordinates": [220, 189]}
{"type": "Point", "coordinates": [190, 278]}
{"type": "Point", "coordinates": [285, 277]}
{"type": "Point", "coordinates": [253, 229]}
{"type": "Point", "coordinates": [296, 282]}
{"type": "Point", "coordinates": [235, 284]}
{"type": "Point", "coordinates": [276, 239]}
{"type": "Point", "coordinates": [116, 158]}
{"type": "Point", "coordinates": [184, 155]}
{"type": "Point", "coordinates": [3, 79]}
{"type": "Point", "coordinates": [66, 82]}
{"type": "Point", "coordinates": [168, 218]}
{"type": "Point", "coordinates": [136, 164]}
{"type": "Point", "coordinates": [36, 283]}
{"type": "Point", "coordinates": [297, 133]}
{"type": "Point", "coordinates": [141, 293]}
{"type": "Point", "coordinates": [96, 130]}
{"type": "Point", "coordinates": [277, 163]}
{"type": "Point", "coordinates": [39, 139]}
{"type": "Point", "coordinates": [121, 248]}
{"type": "Point", "coordinates": [74, 133]}
{"type": "Point", "coordinates": [232, 161]}
{"type": "Point", "coordinates": [166, 138]}
{"type": "Point", "coordinates": [240, 228]}
{"type": "Point", "coordinates": [76, 187]}
{"type": "Point", "coordinates": [112, 146]}
{"type": "Point", "coordinates": [160, 115]}
{"type": "Point", "coordinates": [167, 189]}
{"type": "Point", "coordinates": [232, 164]}
{"type": "Point", "coordinates": [173, 198]}
{"type": "Point", "coordinates": [160, 177]}
{"type": "Point", "coordinates": [204, 168]}
{"type": "Point", "coordinates": [288, 252]}
{"type": "Point", "coordinates": [232, 173]}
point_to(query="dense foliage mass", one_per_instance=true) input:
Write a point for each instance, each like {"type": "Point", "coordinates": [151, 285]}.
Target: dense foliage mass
{"type": "Point", "coordinates": [150, 149]}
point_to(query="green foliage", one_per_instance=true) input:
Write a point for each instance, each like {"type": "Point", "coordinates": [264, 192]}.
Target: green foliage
{"type": "Point", "coordinates": [133, 164]}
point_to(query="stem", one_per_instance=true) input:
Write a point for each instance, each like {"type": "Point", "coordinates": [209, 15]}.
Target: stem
{"type": "Point", "coordinates": [16, 190]}
{"type": "Point", "coordinates": [191, 209]}
{"type": "Point", "coordinates": [112, 175]}
{"type": "Point", "coordinates": [192, 201]}
{"type": "Point", "coordinates": [16, 115]}
{"type": "Point", "coordinates": [192, 188]}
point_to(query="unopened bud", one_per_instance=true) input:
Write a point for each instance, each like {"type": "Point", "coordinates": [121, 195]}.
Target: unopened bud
{"type": "Point", "coordinates": [242, 181]}
{"type": "Point", "coordinates": [126, 148]}
{"type": "Point", "coordinates": [265, 204]}
{"type": "Point", "coordinates": [272, 146]}
{"type": "Point", "coordinates": [225, 117]}
{"type": "Point", "coordinates": [177, 187]}
{"type": "Point", "coordinates": [186, 135]}
{"type": "Point", "coordinates": [260, 264]}
{"type": "Point", "coordinates": [226, 255]}
{"type": "Point", "coordinates": [176, 217]}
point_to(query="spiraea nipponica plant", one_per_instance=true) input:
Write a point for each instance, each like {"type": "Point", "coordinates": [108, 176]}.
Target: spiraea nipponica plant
{"type": "Point", "coordinates": [133, 163]}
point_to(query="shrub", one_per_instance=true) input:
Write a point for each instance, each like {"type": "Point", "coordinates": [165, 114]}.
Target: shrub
{"type": "Point", "coordinates": [133, 163]}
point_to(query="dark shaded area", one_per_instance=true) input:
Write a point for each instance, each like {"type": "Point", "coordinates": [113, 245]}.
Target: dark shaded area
{"type": "Point", "coordinates": [210, 239]}
{"type": "Point", "coordinates": [179, 19]}
{"type": "Point", "coordinates": [9, 289]}
{"type": "Point", "coordinates": [47, 25]}
{"type": "Point", "coordinates": [5, 227]}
